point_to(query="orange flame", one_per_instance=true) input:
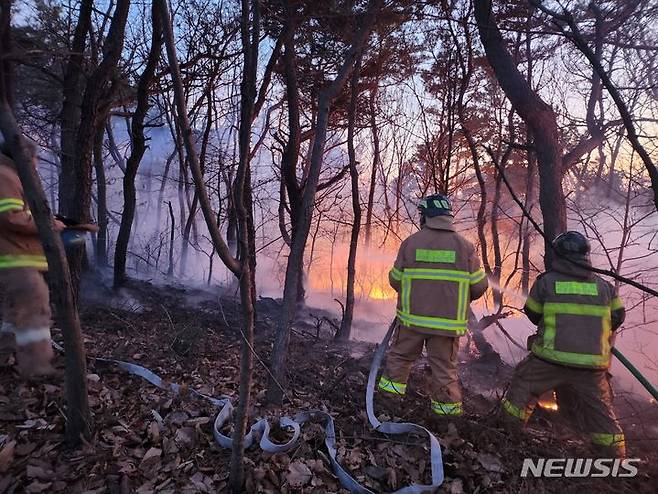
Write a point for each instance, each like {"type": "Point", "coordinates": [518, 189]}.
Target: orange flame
{"type": "Point", "coordinates": [380, 292]}
{"type": "Point", "coordinates": [548, 401]}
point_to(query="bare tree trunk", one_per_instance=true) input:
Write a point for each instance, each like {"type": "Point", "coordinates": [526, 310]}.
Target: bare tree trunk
{"type": "Point", "coordinates": [242, 268]}
{"type": "Point", "coordinates": [343, 333]}
{"type": "Point", "coordinates": [495, 237]}
{"type": "Point", "coordinates": [290, 158]}
{"type": "Point", "coordinates": [72, 100]}
{"type": "Point", "coordinates": [540, 119]}
{"type": "Point", "coordinates": [190, 224]}
{"type": "Point", "coordinates": [172, 230]}
{"type": "Point", "coordinates": [465, 59]}
{"type": "Point", "coordinates": [375, 165]}
{"type": "Point", "coordinates": [290, 291]}
{"type": "Point", "coordinates": [247, 236]}
{"type": "Point", "coordinates": [138, 148]}
{"type": "Point", "coordinates": [186, 131]}
{"type": "Point", "coordinates": [527, 227]}
{"type": "Point", "coordinates": [78, 418]}
{"type": "Point", "coordinates": [163, 185]}
{"type": "Point", "coordinates": [101, 188]}
{"type": "Point", "coordinates": [98, 96]}
{"type": "Point", "coordinates": [6, 64]}
{"type": "Point", "coordinates": [530, 176]}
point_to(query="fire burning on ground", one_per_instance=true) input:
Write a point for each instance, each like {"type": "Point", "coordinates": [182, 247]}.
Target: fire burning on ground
{"type": "Point", "coordinates": [548, 401]}
{"type": "Point", "coordinates": [328, 272]}
{"type": "Point", "coordinates": [380, 292]}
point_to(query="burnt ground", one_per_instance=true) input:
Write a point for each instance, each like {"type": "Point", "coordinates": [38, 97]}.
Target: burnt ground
{"type": "Point", "coordinates": [146, 440]}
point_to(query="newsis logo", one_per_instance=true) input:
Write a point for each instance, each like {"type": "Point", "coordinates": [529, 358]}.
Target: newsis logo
{"type": "Point", "coordinates": [579, 467]}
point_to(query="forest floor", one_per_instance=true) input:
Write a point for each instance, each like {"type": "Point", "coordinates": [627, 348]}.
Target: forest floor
{"type": "Point", "coordinates": [189, 338]}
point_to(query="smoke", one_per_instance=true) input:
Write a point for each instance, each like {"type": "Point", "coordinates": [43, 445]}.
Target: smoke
{"type": "Point", "coordinates": [615, 232]}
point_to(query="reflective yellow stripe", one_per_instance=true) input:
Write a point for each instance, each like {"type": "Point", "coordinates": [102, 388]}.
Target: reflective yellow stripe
{"type": "Point", "coordinates": [577, 309]}
{"type": "Point", "coordinates": [616, 304]}
{"type": "Point", "coordinates": [579, 359]}
{"type": "Point", "coordinates": [38, 262]}
{"type": "Point", "coordinates": [446, 408]}
{"type": "Point", "coordinates": [11, 204]}
{"type": "Point", "coordinates": [438, 274]}
{"type": "Point", "coordinates": [515, 411]}
{"type": "Point", "coordinates": [395, 273]}
{"type": "Point", "coordinates": [462, 278]}
{"type": "Point", "coordinates": [477, 277]}
{"type": "Point", "coordinates": [464, 301]}
{"type": "Point", "coordinates": [602, 439]}
{"type": "Point", "coordinates": [534, 306]}
{"type": "Point", "coordinates": [576, 288]}
{"type": "Point", "coordinates": [430, 255]}
{"type": "Point", "coordinates": [389, 386]}
{"type": "Point", "coordinates": [545, 348]}
{"type": "Point", "coordinates": [458, 327]}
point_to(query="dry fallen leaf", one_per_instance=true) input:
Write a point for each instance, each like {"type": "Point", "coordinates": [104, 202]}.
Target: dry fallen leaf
{"type": "Point", "coordinates": [37, 487]}
{"type": "Point", "coordinates": [38, 472]}
{"type": "Point", "coordinates": [457, 486]}
{"type": "Point", "coordinates": [185, 437]}
{"type": "Point", "coordinates": [25, 449]}
{"type": "Point", "coordinates": [154, 432]}
{"type": "Point", "coordinates": [151, 455]}
{"type": "Point", "coordinates": [298, 474]}
{"type": "Point", "coordinates": [490, 462]}
{"type": "Point", "coordinates": [7, 455]}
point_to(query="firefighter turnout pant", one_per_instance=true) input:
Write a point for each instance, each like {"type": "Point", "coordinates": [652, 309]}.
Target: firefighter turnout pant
{"type": "Point", "coordinates": [591, 388]}
{"type": "Point", "coordinates": [442, 355]}
{"type": "Point", "coordinates": [26, 319]}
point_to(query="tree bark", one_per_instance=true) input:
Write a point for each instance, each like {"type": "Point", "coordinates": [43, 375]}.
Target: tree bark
{"type": "Point", "coordinates": [138, 148]}
{"type": "Point", "coordinates": [172, 231]}
{"type": "Point", "coordinates": [6, 65]}
{"type": "Point", "coordinates": [101, 199]}
{"type": "Point", "coordinates": [345, 329]}
{"type": "Point", "coordinates": [375, 166]}
{"type": "Point", "coordinates": [539, 117]}
{"type": "Point", "coordinates": [290, 291]}
{"type": "Point", "coordinates": [98, 96]}
{"type": "Point", "coordinates": [72, 100]}
{"type": "Point", "coordinates": [530, 176]}
{"type": "Point", "coordinates": [290, 158]}
{"type": "Point", "coordinates": [247, 236]}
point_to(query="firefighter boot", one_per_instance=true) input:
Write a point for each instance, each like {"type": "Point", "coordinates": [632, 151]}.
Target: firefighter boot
{"type": "Point", "coordinates": [34, 359]}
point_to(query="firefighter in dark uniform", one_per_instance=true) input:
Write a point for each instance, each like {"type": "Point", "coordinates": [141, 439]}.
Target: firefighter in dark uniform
{"type": "Point", "coordinates": [577, 314]}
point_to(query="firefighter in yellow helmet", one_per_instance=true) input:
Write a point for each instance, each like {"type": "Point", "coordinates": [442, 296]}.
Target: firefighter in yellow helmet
{"type": "Point", "coordinates": [26, 308]}
{"type": "Point", "coordinates": [577, 314]}
{"type": "Point", "coordinates": [436, 274]}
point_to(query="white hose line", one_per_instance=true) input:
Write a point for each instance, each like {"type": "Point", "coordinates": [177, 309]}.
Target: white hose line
{"type": "Point", "coordinates": [261, 429]}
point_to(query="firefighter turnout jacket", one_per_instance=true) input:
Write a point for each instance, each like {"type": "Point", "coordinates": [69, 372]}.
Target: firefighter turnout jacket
{"type": "Point", "coordinates": [19, 242]}
{"type": "Point", "coordinates": [576, 313]}
{"type": "Point", "coordinates": [26, 314]}
{"type": "Point", "coordinates": [437, 274]}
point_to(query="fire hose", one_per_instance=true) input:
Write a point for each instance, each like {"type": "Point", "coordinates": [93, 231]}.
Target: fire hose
{"type": "Point", "coordinates": [636, 373]}
{"type": "Point", "coordinates": [261, 429]}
